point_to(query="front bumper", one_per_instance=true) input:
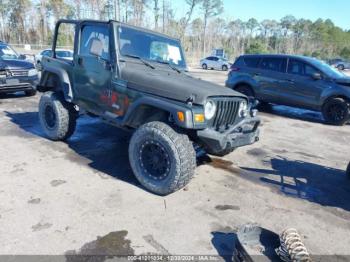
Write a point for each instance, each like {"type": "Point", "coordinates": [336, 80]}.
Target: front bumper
{"type": "Point", "coordinates": [16, 84]}
{"type": "Point", "coordinates": [244, 133]}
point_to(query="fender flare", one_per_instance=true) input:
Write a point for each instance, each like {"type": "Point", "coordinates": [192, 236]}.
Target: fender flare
{"type": "Point", "coordinates": [169, 106]}
{"type": "Point", "coordinates": [65, 83]}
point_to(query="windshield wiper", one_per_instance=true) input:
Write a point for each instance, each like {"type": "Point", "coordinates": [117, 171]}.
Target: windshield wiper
{"type": "Point", "coordinates": [143, 61]}
{"type": "Point", "coordinates": [172, 67]}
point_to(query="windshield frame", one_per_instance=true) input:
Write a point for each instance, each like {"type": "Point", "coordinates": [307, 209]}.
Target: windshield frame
{"type": "Point", "coordinates": [13, 50]}
{"type": "Point", "coordinates": [117, 26]}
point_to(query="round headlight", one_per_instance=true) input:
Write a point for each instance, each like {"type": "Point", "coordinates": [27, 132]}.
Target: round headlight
{"type": "Point", "coordinates": [243, 109]}
{"type": "Point", "coordinates": [209, 109]}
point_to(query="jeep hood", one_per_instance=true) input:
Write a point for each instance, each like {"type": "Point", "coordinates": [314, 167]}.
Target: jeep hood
{"type": "Point", "coordinates": [165, 82]}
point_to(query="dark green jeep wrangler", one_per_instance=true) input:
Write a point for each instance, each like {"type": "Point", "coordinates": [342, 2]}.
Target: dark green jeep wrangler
{"type": "Point", "coordinates": [136, 79]}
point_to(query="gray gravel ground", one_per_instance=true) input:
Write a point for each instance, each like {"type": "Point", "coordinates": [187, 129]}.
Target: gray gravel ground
{"type": "Point", "coordinates": [57, 198]}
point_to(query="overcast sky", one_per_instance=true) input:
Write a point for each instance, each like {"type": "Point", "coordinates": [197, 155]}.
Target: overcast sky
{"type": "Point", "coordinates": [337, 10]}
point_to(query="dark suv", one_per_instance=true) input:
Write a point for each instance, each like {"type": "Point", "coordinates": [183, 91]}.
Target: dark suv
{"type": "Point", "coordinates": [293, 81]}
{"type": "Point", "coordinates": [16, 74]}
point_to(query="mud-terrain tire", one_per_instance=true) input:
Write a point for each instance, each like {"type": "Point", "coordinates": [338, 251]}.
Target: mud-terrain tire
{"type": "Point", "coordinates": [336, 111]}
{"type": "Point", "coordinates": [224, 68]}
{"type": "Point", "coordinates": [245, 90]}
{"type": "Point", "coordinates": [30, 92]}
{"type": "Point", "coordinates": [57, 117]}
{"type": "Point", "coordinates": [162, 159]}
{"type": "Point", "coordinates": [205, 66]}
{"type": "Point", "coordinates": [348, 171]}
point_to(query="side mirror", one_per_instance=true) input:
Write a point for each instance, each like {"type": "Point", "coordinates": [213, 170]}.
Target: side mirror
{"type": "Point", "coordinates": [22, 57]}
{"type": "Point", "coordinates": [316, 76]}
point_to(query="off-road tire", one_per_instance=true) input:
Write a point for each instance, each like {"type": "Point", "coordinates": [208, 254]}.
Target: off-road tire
{"type": "Point", "coordinates": [205, 66]}
{"type": "Point", "coordinates": [336, 118]}
{"type": "Point", "coordinates": [245, 90]}
{"type": "Point", "coordinates": [30, 92]}
{"type": "Point", "coordinates": [63, 122]}
{"type": "Point", "coordinates": [176, 146]}
{"type": "Point", "coordinates": [224, 68]}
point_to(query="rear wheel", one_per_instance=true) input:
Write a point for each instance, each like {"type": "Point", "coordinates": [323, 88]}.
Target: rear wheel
{"type": "Point", "coordinates": [162, 159]}
{"type": "Point", "coordinates": [224, 68]}
{"type": "Point", "coordinates": [341, 67]}
{"type": "Point", "coordinates": [336, 111]}
{"type": "Point", "coordinates": [245, 90]}
{"type": "Point", "coordinates": [205, 66]}
{"type": "Point", "coordinates": [57, 117]}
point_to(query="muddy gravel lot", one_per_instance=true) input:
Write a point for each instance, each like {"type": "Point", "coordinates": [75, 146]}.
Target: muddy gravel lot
{"type": "Point", "coordinates": [80, 197]}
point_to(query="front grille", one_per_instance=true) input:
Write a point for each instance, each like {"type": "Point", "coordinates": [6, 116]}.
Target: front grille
{"type": "Point", "coordinates": [19, 72]}
{"type": "Point", "coordinates": [226, 113]}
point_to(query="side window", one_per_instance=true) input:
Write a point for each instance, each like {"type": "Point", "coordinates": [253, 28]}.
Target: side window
{"type": "Point", "coordinates": [295, 67]}
{"type": "Point", "coordinates": [252, 62]}
{"type": "Point", "coordinates": [47, 53]}
{"type": "Point", "coordinates": [210, 58]}
{"type": "Point", "coordinates": [273, 64]}
{"type": "Point", "coordinates": [310, 70]}
{"type": "Point", "coordinates": [95, 41]}
{"type": "Point", "coordinates": [65, 37]}
{"type": "Point", "coordinates": [215, 58]}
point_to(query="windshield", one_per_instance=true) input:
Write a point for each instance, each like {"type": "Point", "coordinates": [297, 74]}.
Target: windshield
{"type": "Point", "coordinates": [6, 52]}
{"type": "Point", "coordinates": [327, 69]}
{"type": "Point", "coordinates": [64, 54]}
{"type": "Point", "coordinates": [148, 46]}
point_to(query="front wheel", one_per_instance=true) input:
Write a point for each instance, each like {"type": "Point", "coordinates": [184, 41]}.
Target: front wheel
{"type": "Point", "coordinates": [205, 66]}
{"type": "Point", "coordinates": [57, 117]}
{"type": "Point", "coordinates": [162, 159]}
{"type": "Point", "coordinates": [224, 68]}
{"type": "Point", "coordinates": [336, 111]}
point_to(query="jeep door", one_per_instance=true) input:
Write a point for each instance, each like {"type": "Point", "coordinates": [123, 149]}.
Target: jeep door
{"type": "Point", "coordinates": [304, 91]}
{"type": "Point", "coordinates": [93, 71]}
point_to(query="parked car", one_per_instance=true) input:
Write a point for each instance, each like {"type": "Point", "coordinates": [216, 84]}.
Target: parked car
{"type": "Point", "coordinates": [293, 81]}
{"type": "Point", "coordinates": [341, 64]}
{"type": "Point", "coordinates": [214, 62]}
{"type": "Point", "coordinates": [60, 53]}
{"type": "Point", "coordinates": [16, 74]}
{"type": "Point", "coordinates": [139, 84]}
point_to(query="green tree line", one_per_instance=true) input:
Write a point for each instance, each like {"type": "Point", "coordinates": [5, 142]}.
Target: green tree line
{"type": "Point", "coordinates": [201, 29]}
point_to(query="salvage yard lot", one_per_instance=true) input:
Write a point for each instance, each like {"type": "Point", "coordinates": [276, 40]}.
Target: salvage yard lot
{"type": "Point", "coordinates": [57, 198]}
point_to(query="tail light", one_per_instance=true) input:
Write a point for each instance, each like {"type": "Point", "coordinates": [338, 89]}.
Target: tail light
{"type": "Point", "coordinates": [234, 68]}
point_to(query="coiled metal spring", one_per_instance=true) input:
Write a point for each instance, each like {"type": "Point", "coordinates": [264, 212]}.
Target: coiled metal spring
{"type": "Point", "coordinates": [292, 248]}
